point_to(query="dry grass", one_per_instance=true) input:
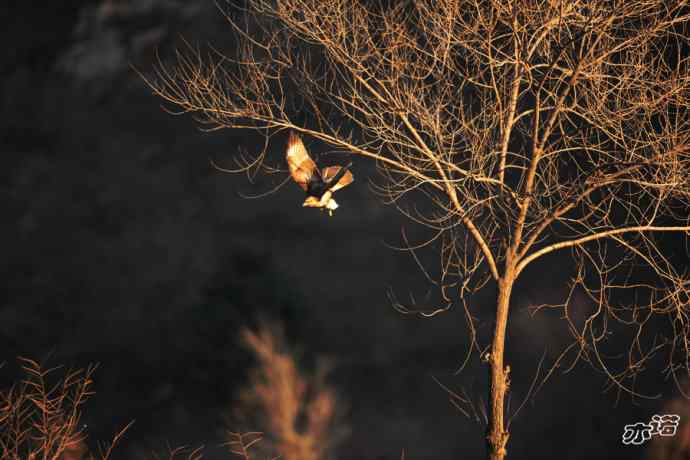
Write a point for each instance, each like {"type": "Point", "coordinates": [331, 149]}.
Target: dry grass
{"type": "Point", "coordinates": [298, 412]}
{"type": "Point", "coordinates": [40, 417]}
{"type": "Point", "coordinates": [182, 453]}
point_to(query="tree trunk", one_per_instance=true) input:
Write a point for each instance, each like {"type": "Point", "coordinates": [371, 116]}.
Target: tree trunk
{"type": "Point", "coordinates": [497, 435]}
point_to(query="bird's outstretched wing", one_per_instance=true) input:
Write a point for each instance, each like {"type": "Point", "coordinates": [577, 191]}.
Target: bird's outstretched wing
{"type": "Point", "coordinates": [302, 167]}
{"type": "Point", "coordinates": [331, 173]}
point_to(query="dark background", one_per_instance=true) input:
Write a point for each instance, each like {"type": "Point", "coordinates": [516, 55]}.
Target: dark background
{"type": "Point", "coordinates": [122, 245]}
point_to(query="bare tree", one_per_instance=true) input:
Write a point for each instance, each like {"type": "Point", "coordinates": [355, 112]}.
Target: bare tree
{"type": "Point", "coordinates": [531, 126]}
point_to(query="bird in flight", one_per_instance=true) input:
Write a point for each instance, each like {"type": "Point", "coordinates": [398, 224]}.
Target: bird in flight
{"type": "Point", "coordinates": [319, 185]}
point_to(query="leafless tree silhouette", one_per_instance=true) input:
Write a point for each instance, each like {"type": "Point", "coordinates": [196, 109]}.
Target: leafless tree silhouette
{"type": "Point", "coordinates": [531, 126]}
